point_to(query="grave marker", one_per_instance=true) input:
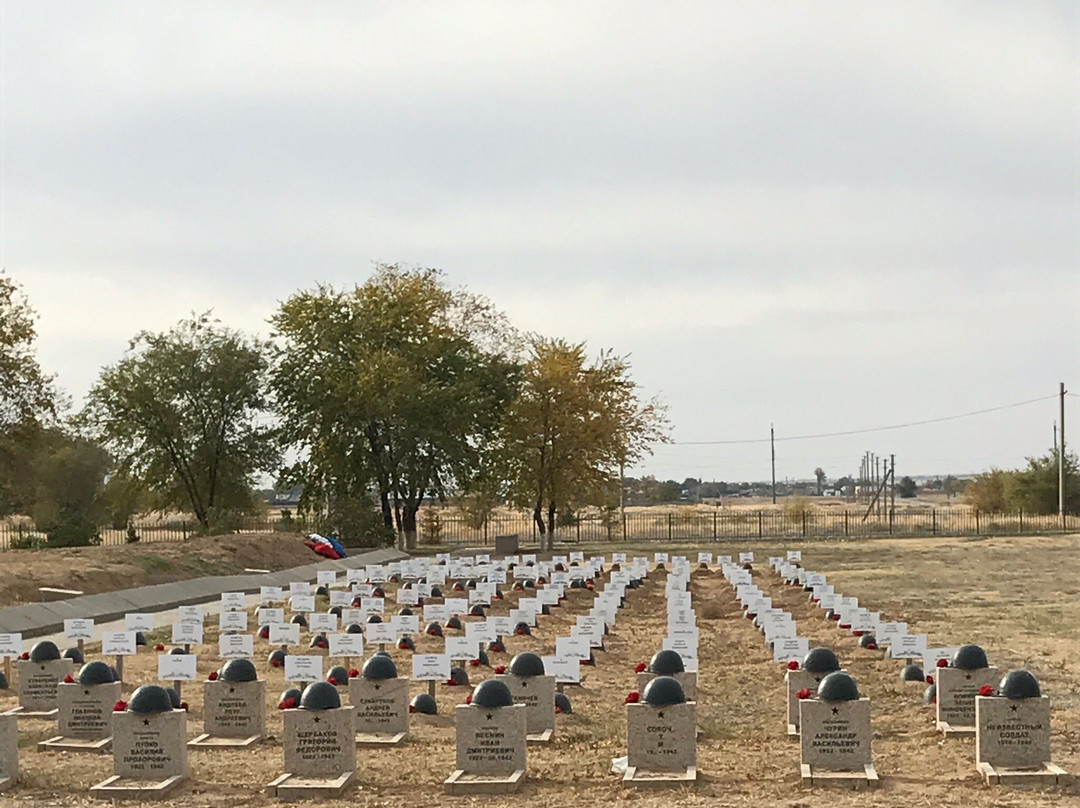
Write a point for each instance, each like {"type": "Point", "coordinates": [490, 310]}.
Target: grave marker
{"type": "Point", "coordinates": [491, 743]}
{"type": "Point", "coordinates": [85, 711]}
{"type": "Point", "coordinates": [319, 746]}
{"type": "Point", "coordinates": [661, 736]}
{"type": "Point", "coordinates": [380, 699]}
{"type": "Point", "coordinates": [234, 708]}
{"type": "Point", "coordinates": [38, 682]}
{"type": "Point", "coordinates": [835, 735]}
{"type": "Point", "coordinates": [1012, 734]}
{"type": "Point", "coordinates": [9, 751]}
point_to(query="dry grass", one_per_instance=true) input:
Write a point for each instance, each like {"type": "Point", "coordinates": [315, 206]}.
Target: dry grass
{"type": "Point", "coordinates": [1018, 597]}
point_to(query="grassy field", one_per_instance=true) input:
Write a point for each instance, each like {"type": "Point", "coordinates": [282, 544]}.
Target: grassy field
{"type": "Point", "coordinates": [1018, 597]}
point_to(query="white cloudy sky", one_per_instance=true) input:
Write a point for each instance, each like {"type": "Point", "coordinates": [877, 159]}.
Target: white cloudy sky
{"type": "Point", "coordinates": [825, 215]}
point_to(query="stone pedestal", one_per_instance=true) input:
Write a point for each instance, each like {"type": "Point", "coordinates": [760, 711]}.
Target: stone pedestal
{"type": "Point", "coordinates": [835, 743]}
{"type": "Point", "coordinates": [9, 751]}
{"type": "Point", "coordinates": [37, 686]}
{"type": "Point", "coordinates": [537, 694]}
{"type": "Point", "coordinates": [149, 755]}
{"type": "Point", "coordinates": [85, 717]}
{"type": "Point", "coordinates": [688, 680]}
{"type": "Point", "coordinates": [1012, 741]}
{"type": "Point", "coordinates": [956, 692]}
{"type": "Point", "coordinates": [382, 710]}
{"type": "Point", "coordinates": [661, 743]}
{"type": "Point", "coordinates": [491, 757]}
{"type": "Point", "coordinates": [234, 714]}
{"type": "Point", "coordinates": [320, 754]}
{"type": "Point", "coordinates": [795, 681]}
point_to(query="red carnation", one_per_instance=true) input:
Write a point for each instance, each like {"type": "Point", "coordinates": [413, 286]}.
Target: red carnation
{"type": "Point", "coordinates": [468, 699]}
{"type": "Point", "coordinates": [287, 704]}
{"type": "Point", "coordinates": [475, 663]}
{"type": "Point", "coordinates": [353, 673]}
{"type": "Point", "coordinates": [986, 690]}
{"type": "Point", "coordinates": [451, 683]}
{"type": "Point", "coordinates": [333, 680]}
{"type": "Point", "coordinates": [500, 669]}
{"type": "Point", "coordinates": [520, 632]}
{"type": "Point", "coordinates": [640, 667]}
{"type": "Point", "coordinates": [120, 706]}
{"type": "Point", "coordinates": [183, 706]}
{"type": "Point", "coordinates": [793, 665]}
{"type": "Point", "coordinates": [558, 710]}
{"type": "Point", "coordinates": [412, 708]}
{"type": "Point", "coordinates": [929, 679]}
{"type": "Point", "coordinates": [212, 676]}
{"type": "Point", "coordinates": [69, 679]}
{"type": "Point", "coordinates": [805, 693]}
{"type": "Point", "coordinates": [159, 647]}
{"type": "Point", "coordinates": [25, 655]}
{"type": "Point", "coordinates": [404, 646]}
{"type": "Point", "coordinates": [633, 697]}
{"type": "Point", "coordinates": [943, 663]}
{"type": "Point", "coordinates": [857, 632]}
{"type": "Point", "coordinates": [871, 646]}
{"type": "Point", "coordinates": [277, 663]}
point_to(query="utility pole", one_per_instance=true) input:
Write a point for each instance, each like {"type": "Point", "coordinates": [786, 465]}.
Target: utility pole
{"type": "Point", "coordinates": [1061, 454]}
{"type": "Point", "coordinates": [892, 484]}
{"type": "Point", "coordinates": [772, 448]}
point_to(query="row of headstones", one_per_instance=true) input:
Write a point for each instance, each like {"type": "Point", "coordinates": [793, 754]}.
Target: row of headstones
{"type": "Point", "coordinates": [1007, 715]}
{"type": "Point", "coordinates": [587, 632]}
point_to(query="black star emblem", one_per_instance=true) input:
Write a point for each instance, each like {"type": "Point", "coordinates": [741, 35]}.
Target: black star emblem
{"type": "Point", "coordinates": [489, 716]}
{"type": "Point", "coordinates": [232, 689]}
{"type": "Point", "coordinates": [836, 711]}
{"type": "Point", "coordinates": [1014, 707]}
{"type": "Point", "coordinates": [316, 719]}
{"type": "Point", "coordinates": [377, 686]}
{"type": "Point", "coordinates": [524, 682]}
{"type": "Point", "coordinates": [86, 692]}
{"type": "Point", "coordinates": [660, 714]}
{"type": "Point", "coordinates": [146, 722]}
{"type": "Point", "coordinates": [967, 676]}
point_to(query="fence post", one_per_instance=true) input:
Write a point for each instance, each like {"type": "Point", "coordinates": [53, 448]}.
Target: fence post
{"type": "Point", "coordinates": [670, 518]}
{"type": "Point", "coordinates": [804, 524]}
{"type": "Point", "coordinates": [714, 525]}
{"type": "Point", "coordinates": [845, 523]}
{"type": "Point", "coordinates": [1021, 530]}
{"type": "Point", "coordinates": [976, 521]}
{"type": "Point", "coordinates": [933, 521]}
{"type": "Point", "coordinates": [183, 527]}
{"type": "Point", "coordinates": [624, 526]}
{"type": "Point", "coordinates": [577, 528]}
{"type": "Point", "coordinates": [760, 524]}
{"type": "Point", "coordinates": [891, 514]}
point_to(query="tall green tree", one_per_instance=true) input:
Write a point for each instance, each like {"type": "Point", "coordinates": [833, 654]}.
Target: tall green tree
{"type": "Point", "coordinates": [574, 428]}
{"type": "Point", "coordinates": [29, 401]}
{"type": "Point", "coordinates": [69, 501]}
{"type": "Point", "coordinates": [180, 413]}
{"type": "Point", "coordinates": [1035, 487]}
{"type": "Point", "coordinates": [397, 387]}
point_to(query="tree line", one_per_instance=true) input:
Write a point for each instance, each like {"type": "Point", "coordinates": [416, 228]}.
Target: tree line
{"type": "Point", "coordinates": [372, 399]}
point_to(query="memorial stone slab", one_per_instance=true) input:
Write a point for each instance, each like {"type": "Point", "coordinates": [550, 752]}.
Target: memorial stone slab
{"type": "Point", "coordinates": [835, 735]}
{"type": "Point", "coordinates": [661, 740]}
{"type": "Point", "coordinates": [9, 751]}
{"type": "Point", "coordinates": [319, 743]}
{"type": "Point", "coordinates": [150, 746]}
{"type": "Point", "coordinates": [85, 717]}
{"type": "Point", "coordinates": [1012, 734]}
{"type": "Point", "coordinates": [381, 707]}
{"type": "Point", "coordinates": [491, 749]}
{"type": "Point", "coordinates": [38, 683]}
{"type": "Point", "coordinates": [234, 714]}
{"type": "Point", "coordinates": [537, 694]}
{"type": "Point", "coordinates": [956, 692]}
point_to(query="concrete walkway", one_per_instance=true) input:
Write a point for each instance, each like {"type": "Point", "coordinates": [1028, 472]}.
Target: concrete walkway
{"type": "Point", "coordinates": [37, 619]}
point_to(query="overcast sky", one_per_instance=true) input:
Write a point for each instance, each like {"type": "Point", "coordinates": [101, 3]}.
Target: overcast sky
{"type": "Point", "coordinates": [823, 215]}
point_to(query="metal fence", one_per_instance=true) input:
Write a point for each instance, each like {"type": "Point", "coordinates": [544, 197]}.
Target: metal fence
{"type": "Point", "coordinates": [747, 525]}
{"type": "Point", "coordinates": [442, 528]}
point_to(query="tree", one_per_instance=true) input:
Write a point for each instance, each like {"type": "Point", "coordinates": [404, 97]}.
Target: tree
{"type": "Point", "coordinates": [906, 488]}
{"type": "Point", "coordinates": [1035, 487]}
{"type": "Point", "coordinates": [29, 402]}
{"type": "Point", "coordinates": [987, 492]}
{"type": "Point", "coordinates": [572, 430]}
{"type": "Point", "coordinates": [69, 503]}
{"type": "Point", "coordinates": [399, 385]}
{"type": "Point", "coordinates": [180, 413]}
{"type": "Point", "coordinates": [819, 472]}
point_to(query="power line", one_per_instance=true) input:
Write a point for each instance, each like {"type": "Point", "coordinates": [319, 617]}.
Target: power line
{"type": "Point", "coordinates": [864, 431]}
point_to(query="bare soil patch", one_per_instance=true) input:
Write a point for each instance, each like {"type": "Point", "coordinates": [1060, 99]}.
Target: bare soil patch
{"type": "Point", "coordinates": [1018, 597]}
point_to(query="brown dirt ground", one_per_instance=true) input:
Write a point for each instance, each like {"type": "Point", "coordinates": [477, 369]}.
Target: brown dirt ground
{"type": "Point", "coordinates": [1019, 597]}
{"type": "Point", "coordinates": [104, 569]}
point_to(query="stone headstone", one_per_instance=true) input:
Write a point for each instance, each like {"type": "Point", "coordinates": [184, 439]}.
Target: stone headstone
{"type": "Point", "coordinates": [835, 736]}
{"type": "Point", "coordinates": [86, 711]}
{"type": "Point", "coordinates": [9, 750]}
{"type": "Point", "coordinates": [688, 680]}
{"type": "Point", "coordinates": [799, 680]}
{"type": "Point", "coordinates": [506, 545]}
{"type": "Point", "coordinates": [1012, 734]}
{"type": "Point", "coordinates": [38, 682]}
{"type": "Point", "coordinates": [956, 692]}
{"type": "Point", "coordinates": [490, 741]}
{"type": "Point", "coordinates": [537, 694]}
{"type": "Point", "coordinates": [150, 746]}
{"type": "Point", "coordinates": [381, 705]}
{"type": "Point", "coordinates": [319, 743]}
{"type": "Point", "coordinates": [234, 709]}
{"type": "Point", "coordinates": [661, 739]}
